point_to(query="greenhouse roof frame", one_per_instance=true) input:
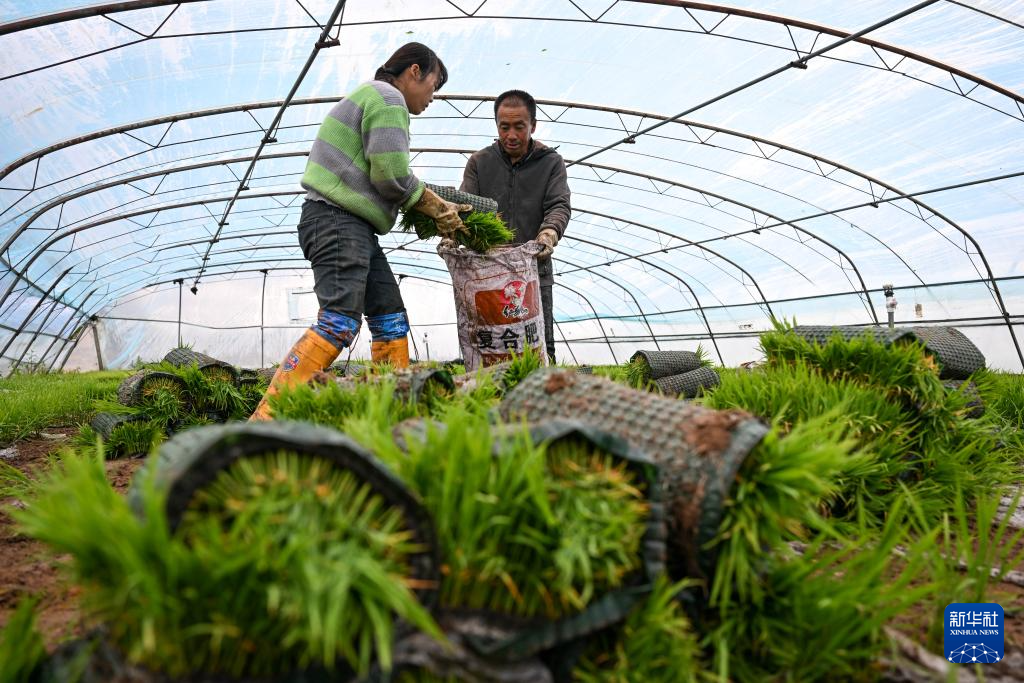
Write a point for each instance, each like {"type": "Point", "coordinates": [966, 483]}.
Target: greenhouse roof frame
{"type": "Point", "coordinates": [19, 254]}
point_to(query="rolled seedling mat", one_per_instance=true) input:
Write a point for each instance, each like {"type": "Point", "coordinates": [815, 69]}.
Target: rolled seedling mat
{"type": "Point", "coordinates": [689, 384]}
{"type": "Point", "coordinates": [699, 450]}
{"type": "Point", "coordinates": [215, 370]}
{"type": "Point", "coordinates": [511, 639]}
{"type": "Point", "coordinates": [415, 386]}
{"type": "Point", "coordinates": [347, 369]}
{"type": "Point", "coordinates": [93, 659]}
{"type": "Point", "coordinates": [821, 334]}
{"type": "Point", "coordinates": [267, 374]}
{"type": "Point", "coordinates": [450, 194]}
{"type": "Point", "coordinates": [104, 424]}
{"type": "Point", "coordinates": [137, 388]}
{"type": "Point", "coordinates": [191, 460]}
{"type": "Point", "coordinates": [251, 380]}
{"type": "Point", "coordinates": [958, 357]}
{"type": "Point", "coordinates": [455, 660]}
{"type": "Point", "coordinates": [667, 363]}
{"type": "Point", "coordinates": [975, 405]}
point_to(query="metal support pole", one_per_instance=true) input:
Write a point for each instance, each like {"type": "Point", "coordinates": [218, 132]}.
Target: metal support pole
{"type": "Point", "coordinates": [94, 323]}
{"type": "Point", "coordinates": [180, 284]}
{"type": "Point", "coordinates": [39, 330]}
{"type": "Point", "coordinates": [21, 327]}
{"type": "Point", "coordinates": [70, 320]}
{"type": "Point", "coordinates": [263, 300]}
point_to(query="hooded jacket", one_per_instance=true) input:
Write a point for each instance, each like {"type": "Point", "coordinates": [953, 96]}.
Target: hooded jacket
{"type": "Point", "coordinates": [532, 194]}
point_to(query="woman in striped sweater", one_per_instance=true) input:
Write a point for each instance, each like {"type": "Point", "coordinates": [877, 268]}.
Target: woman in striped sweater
{"type": "Point", "coordinates": [357, 179]}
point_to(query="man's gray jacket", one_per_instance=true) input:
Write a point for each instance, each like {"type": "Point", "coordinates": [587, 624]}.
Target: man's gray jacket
{"type": "Point", "coordinates": [532, 194]}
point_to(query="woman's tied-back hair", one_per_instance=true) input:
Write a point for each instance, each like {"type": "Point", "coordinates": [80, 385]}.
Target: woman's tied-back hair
{"type": "Point", "coordinates": [406, 56]}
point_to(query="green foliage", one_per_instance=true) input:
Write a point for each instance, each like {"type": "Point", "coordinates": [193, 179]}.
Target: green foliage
{"type": "Point", "coordinates": [134, 438]}
{"type": "Point", "coordinates": [776, 498]}
{"type": "Point", "coordinates": [333, 404]}
{"type": "Point", "coordinates": [484, 230]}
{"type": "Point", "coordinates": [1003, 394]}
{"type": "Point", "coordinates": [521, 365]}
{"type": "Point", "coordinates": [821, 615]}
{"type": "Point", "coordinates": [281, 563]}
{"type": "Point", "coordinates": [638, 373]}
{"type": "Point", "coordinates": [31, 402]}
{"type": "Point", "coordinates": [977, 550]}
{"type": "Point", "coordinates": [656, 644]}
{"type": "Point", "coordinates": [903, 371]}
{"type": "Point", "coordinates": [525, 532]}
{"type": "Point", "coordinates": [21, 647]}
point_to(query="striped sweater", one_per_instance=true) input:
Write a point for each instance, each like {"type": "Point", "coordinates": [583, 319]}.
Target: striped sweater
{"type": "Point", "coordinates": [360, 159]}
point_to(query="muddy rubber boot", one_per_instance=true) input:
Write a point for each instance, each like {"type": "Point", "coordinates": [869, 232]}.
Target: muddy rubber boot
{"type": "Point", "coordinates": [394, 351]}
{"type": "Point", "coordinates": [311, 354]}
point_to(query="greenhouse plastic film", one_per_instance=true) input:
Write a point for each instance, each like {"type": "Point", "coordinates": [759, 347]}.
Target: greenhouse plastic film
{"type": "Point", "coordinates": [689, 384]}
{"type": "Point", "coordinates": [666, 363]}
{"type": "Point", "coordinates": [698, 449]}
{"type": "Point", "coordinates": [193, 459]}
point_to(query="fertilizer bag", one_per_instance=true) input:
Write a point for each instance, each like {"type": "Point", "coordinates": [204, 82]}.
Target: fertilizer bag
{"type": "Point", "coordinates": [497, 302]}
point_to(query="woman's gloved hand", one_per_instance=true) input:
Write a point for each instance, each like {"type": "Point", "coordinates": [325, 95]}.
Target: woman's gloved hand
{"type": "Point", "coordinates": [547, 238]}
{"type": "Point", "coordinates": [445, 214]}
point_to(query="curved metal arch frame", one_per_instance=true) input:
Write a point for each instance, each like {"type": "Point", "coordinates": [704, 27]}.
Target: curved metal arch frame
{"type": "Point", "coordinates": [324, 35]}
{"type": "Point", "coordinates": [685, 5]}
{"type": "Point", "coordinates": [615, 170]}
{"type": "Point", "coordinates": [715, 129]}
{"type": "Point", "coordinates": [164, 208]}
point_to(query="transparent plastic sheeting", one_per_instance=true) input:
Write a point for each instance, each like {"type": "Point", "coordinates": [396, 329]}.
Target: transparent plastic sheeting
{"type": "Point", "coordinates": [785, 199]}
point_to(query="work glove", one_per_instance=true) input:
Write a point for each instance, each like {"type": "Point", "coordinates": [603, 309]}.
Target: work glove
{"type": "Point", "coordinates": [547, 239]}
{"type": "Point", "coordinates": [445, 214]}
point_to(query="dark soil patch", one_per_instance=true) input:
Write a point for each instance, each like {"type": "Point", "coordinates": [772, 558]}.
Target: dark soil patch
{"type": "Point", "coordinates": [27, 568]}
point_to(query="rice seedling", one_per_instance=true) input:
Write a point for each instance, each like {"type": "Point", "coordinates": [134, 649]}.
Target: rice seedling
{"type": "Point", "coordinates": [975, 551]}
{"type": "Point", "coordinates": [281, 564]}
{"type": "Point", "coordinates": [521, 365]}
{"type": "Point", "coordinates": [822, 612]}
{"type": "Point", "coordinates": [1002, 394]}
{"type": "Point", "coordinates": [333, 404]}
{"type": "Point", "coordinates": [776, 498]}
{"type": "Point", "coordinates": [32, 402]}
{"type": "Point", "coordinates": [21, 647]}
{"type": "Point", "coordinates": [638, 373]}
{"type": "Point", "coordinates": [656, 644]}
{"type": "Point", "coordinates": [903, 370]}
{"type": "Point", "coordinates": [134, 438]}
{"type": "Point", "coordinates": [527, 533]}
{"type": "Point", "coordinates": [484, 231]}
{"type": "Point", "coordinates": [796, 392]}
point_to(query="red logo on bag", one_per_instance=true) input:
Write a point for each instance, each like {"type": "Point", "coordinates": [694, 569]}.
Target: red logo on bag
{"type": "Point", "coordinates": [516, 301]}
{"type": "Point", "coordinates": [290, 362]}
{"type": "Point", "coordinates": [514, 294]}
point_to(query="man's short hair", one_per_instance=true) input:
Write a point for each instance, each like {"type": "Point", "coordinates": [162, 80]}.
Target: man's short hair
{"type": "Point", "coordinates": [514, 97]}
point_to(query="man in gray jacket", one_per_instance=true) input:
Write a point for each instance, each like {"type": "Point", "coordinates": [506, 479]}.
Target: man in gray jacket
{"type": "Point", "coordinates": [527, 179]}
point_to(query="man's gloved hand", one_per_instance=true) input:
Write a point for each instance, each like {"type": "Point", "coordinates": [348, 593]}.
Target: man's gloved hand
{"type": "Point", "coordinates": [445, 214]}
{"type": "Point", "coordinates": [547, 238]}
{"type": "Point", "coordinates": [448, 243]}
